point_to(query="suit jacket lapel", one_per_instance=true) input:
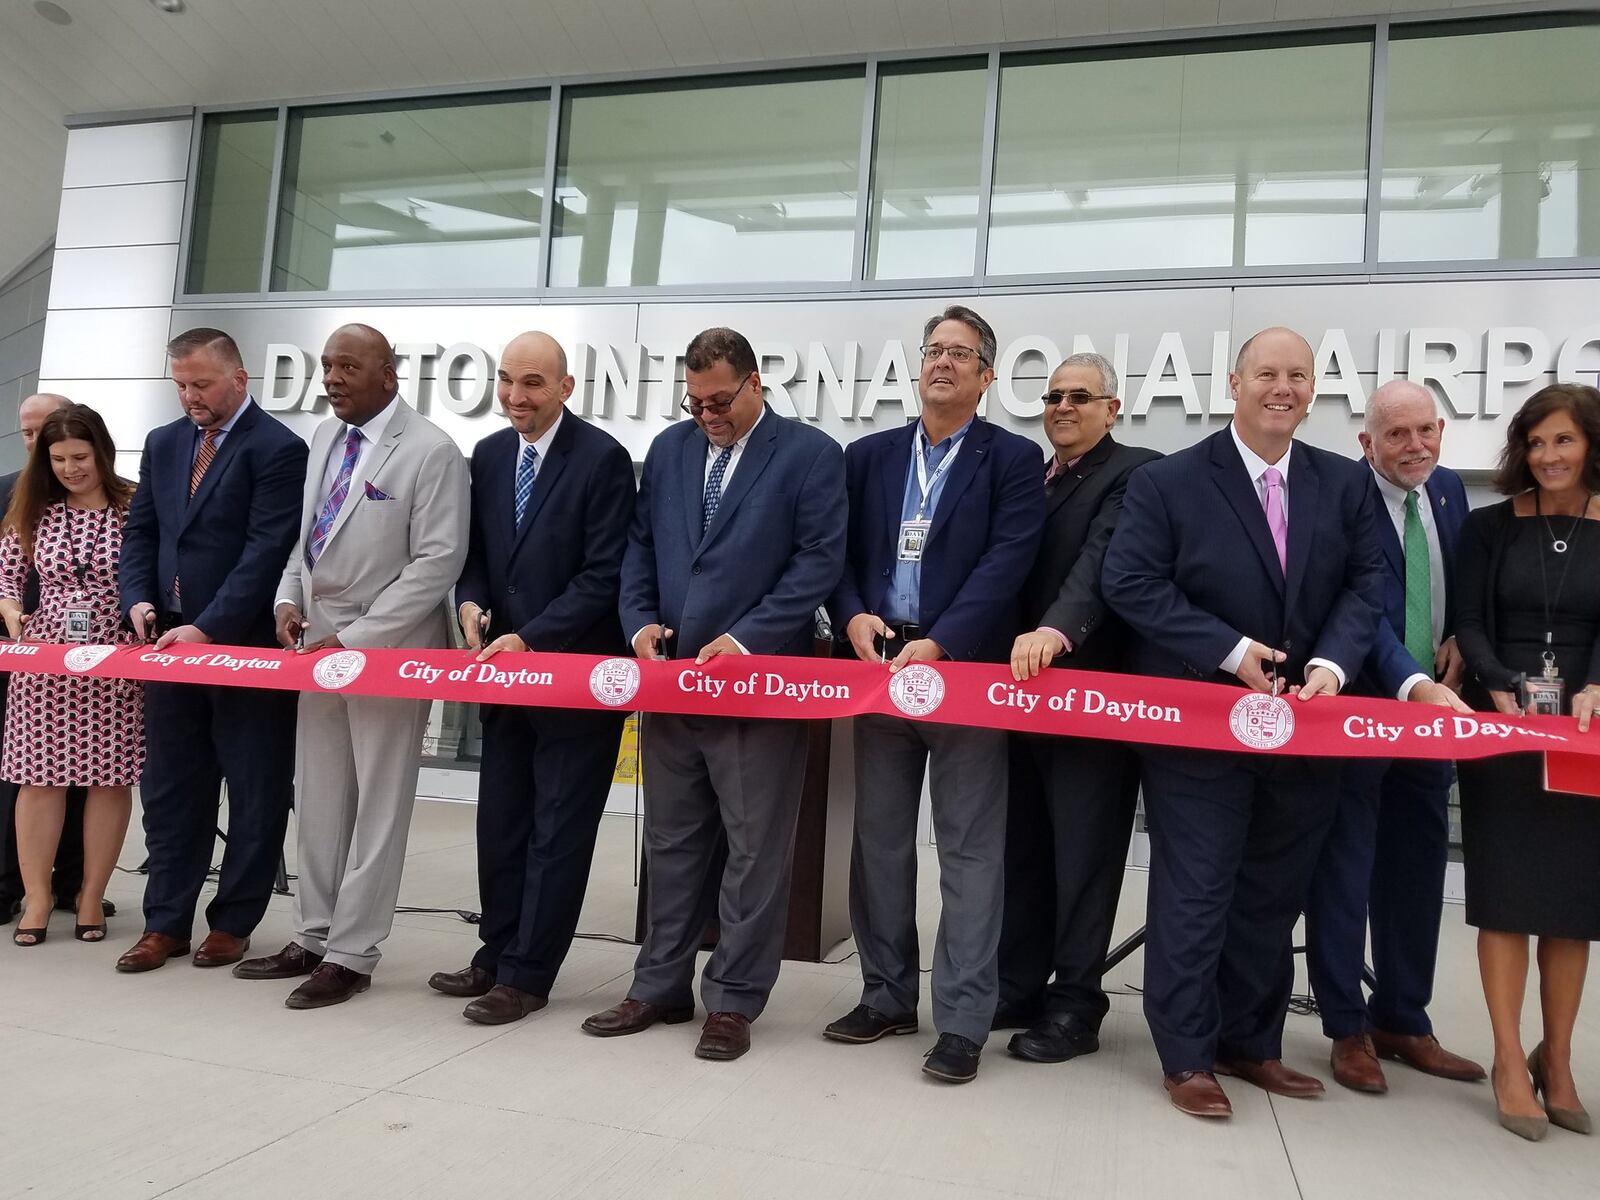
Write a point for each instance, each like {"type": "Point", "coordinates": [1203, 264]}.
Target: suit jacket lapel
{"type": "Point", "coordinates": [316, 466]}
{"type": "Point", "coordinates": [974, 446]}
{"type": "Point", "coordinates": [225, 455]}
{"type": "Point", "coordinates": [895, 456]}
{"type": "Point", "coordinates": [692, 471]}
{"type": "Point", "coordinates": [549, 471]}
{"type": "Point", "coordinates": [1234, 483]}
{"type": "Point", "coordinates": [1305, 489]}
{"type": "Point", "coordinates": [376, 457]}
{"type": "Point", "coordinates": [753, 460]}
{"type": "Point", "coordinates": [1068, 481]}
{"type": "Point", "coordinates": [1393, 551]}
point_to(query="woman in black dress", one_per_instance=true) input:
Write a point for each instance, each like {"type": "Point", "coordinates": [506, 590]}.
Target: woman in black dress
{"type": "Point", "coordinates": [1528, 599]}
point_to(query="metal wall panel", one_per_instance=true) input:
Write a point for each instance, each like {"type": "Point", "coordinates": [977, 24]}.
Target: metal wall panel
{"type": "Point", "coordinates": [149, 152]}
{"type": "Point", "coordinates": [114, 277]}
{"type": "Point", "coordinates": [136, 214]}
{"type": "Point", "coordinates": [111, 343]}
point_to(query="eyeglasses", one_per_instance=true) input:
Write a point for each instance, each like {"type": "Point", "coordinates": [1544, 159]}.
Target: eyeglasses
{"type": "Point", "coordinates": [958, 354]}
{"type": "Point", "coordinates": [716, 408]}
{"type": "Point", "coordinates": [1077, 398]}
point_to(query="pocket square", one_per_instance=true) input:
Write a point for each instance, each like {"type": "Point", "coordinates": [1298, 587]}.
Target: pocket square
{"type": "Point", "coordinates": [376, 493]}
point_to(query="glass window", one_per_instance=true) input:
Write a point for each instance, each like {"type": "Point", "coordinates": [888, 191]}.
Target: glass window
{"type": "Point", "coordinates": [925, 166]}
{"type": "Point", "coordinates": [232, 190]}
{"type": "Point", "coordinates": [1491, 145]}
{"type": "Point", "coordinates": [414, 195]}
{"type": "Point", "coordinates": [709, 182]}
{"type": "Point", "coordinates": [1200, 157]}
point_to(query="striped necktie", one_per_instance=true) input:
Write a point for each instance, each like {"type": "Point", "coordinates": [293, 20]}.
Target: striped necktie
{"type": "Point", "coordinates": [335, 501]}
{"type": "Point", "coordinates": [202, 459]}
{"type": "Point", "coordinates": [527, 471]}
{"type": "Point", "coordinates": [713, 496]}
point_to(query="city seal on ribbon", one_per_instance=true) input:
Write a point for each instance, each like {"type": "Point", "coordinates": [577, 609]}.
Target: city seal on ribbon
{"type": "Point", "coordinates": [338, 669]}
{"type": "Point", "coordinates": [1261, 722]}
{"type": "Point", "coordinates": [614, 682]}
{"type": "Point", "coordinates": [86, 658]}
{"type": "Point", "coordinates": [916, 689]}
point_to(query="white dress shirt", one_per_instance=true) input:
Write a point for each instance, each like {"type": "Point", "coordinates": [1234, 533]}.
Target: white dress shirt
{"type": "Point", "coordinates": [541, 447]}
{"type": "Point", "coordinates": [712, 450]}
{"type": "Point", "coordinates": [371, 434]}
{"type": "Point", "coordinates": [1394, 499]}
{"type": "Point", "coordinates": [1256, 467]}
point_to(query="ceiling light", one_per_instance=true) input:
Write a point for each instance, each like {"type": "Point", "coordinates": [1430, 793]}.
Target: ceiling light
{"type": "Point", "coordinates": [53, 13]}
{"type": "Point", "coordinates": [170, 7]}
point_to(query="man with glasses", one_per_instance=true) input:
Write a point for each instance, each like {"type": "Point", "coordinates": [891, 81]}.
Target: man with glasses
{"type": "Point", "coordinates": [737, 538]}
{"type": "Point", "coordinates": [1071, 799]}
{"type": "Point", "coordinates": [945, 516]}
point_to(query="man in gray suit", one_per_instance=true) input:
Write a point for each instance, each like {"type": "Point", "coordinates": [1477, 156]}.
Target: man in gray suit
{"type": "Point", "coordinates": [383, 534]}
{"type": "Point", "coordinates": [737, 538]}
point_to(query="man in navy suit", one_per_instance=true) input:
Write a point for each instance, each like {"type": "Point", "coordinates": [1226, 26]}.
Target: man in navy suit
{"type": "Point", "coordinates": [1249, 558]}
{"type": "Point", "coordinates": [214, 517]}
{"type": "Point", "coordinates": [737, 539]}
{"type": "Point", "coordinates": [1385, 855]}
{"type": "Point", "coordinates": [551, 500]}
{"type": "Point", "coordinates": [945, 519]}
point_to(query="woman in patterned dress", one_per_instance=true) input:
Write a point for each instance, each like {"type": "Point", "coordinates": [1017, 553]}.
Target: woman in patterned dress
{"type": "Point", "coordinates": [65, 522]}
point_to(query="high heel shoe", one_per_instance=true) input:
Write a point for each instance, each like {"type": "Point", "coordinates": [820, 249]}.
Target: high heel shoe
{"type": "Point", "coordinates": [1574, 1119]}
{"type": "Point", "coordinates": [38, 935]}
{"type": "Point", "coordinates": [1531, 1128]}
{"type": "Point", "coordinates": [90, 933]}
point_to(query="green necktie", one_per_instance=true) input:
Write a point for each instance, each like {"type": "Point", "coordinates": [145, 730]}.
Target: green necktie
{"type": "Point", "coordinates": [1419, 589]}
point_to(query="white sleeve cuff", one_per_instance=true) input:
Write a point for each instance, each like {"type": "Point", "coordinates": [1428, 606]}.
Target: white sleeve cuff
{"type": "Point", "coordinates": [1230, 665]}
{"type": "Point", "coordinates": [1411, 681]}
{"type": "Point", "coordinates": [1338, 672]}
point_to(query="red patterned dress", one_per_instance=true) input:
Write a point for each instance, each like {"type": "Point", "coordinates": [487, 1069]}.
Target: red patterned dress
{"type": "Point", "coordinates": [64, 730]}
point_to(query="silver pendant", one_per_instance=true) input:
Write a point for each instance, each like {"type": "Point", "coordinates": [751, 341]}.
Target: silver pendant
{"type": "Point", "coordinates": [1559, 545]}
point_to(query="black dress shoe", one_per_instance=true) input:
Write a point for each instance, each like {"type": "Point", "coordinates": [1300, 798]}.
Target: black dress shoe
{"type": "Point", "coordinates": [503, 1004]}
{"type": "Point", "coordinates": [328, 984]}
{"type": "Point", "coordinates": [1056, 1039]}
{"type": "Point", "coordinates": [953, 1059]}
{"type": "Point", "coordinates": [1015, 1016]}
{"type": "Point", "coordinates": [291, 962]}
{"type": "Point", "coordinates": [863, 1024]}
{"type": "Point", "coordinates": [469, 981]}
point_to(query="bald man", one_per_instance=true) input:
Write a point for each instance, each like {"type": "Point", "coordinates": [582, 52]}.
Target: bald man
{"type": "Point", "coordinates": [551, 501]}
{"type": "Point", "coordinates": [69, 850]}
{"type": "Point", "coordinates": [383, 534]}
{"type": "Point", "coordinates": [1385, 855]}
{"type": "Point", "coordinates": [1251, 560]}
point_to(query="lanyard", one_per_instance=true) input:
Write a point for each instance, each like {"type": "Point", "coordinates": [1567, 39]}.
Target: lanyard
{"type": "Point", "coordinates": [925, 482]}
{"type": "Point", "coordinates": [80, 564]}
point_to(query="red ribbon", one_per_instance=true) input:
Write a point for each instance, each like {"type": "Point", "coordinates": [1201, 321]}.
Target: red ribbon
{"type": "Point", "coordinates": [1123, 708]}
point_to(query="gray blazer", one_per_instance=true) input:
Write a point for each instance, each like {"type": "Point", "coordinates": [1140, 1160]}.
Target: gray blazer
{"type": "Point", "coordinates": [388, 564]}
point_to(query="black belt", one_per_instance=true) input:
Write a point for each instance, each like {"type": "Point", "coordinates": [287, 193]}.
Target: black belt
{"type": "Point", "coordinates": [905, 633]}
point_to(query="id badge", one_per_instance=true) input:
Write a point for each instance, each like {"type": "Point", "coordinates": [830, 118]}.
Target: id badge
{"type": "Point", "coordinates": [1544, 696]}
{"type": "Point", "coordinates": [913, 534]}
{"type": "Point", "coordinates": [78, 624]}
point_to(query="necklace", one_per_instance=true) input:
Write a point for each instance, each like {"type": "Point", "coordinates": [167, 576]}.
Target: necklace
{"type": "Point", "coordinates": [1560, 544]}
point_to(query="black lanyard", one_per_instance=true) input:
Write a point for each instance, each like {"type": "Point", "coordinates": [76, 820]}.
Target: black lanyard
{"type": "Point", "coordinates": [81, 564]}
{"type": "Point", "coordinates": [1561, 583]}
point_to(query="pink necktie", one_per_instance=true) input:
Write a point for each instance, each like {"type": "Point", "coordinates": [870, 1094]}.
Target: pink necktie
{"type": "Point", "coordinates": [1277, 519]}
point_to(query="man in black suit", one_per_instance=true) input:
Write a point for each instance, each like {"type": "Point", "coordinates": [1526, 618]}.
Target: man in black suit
{"type": "Point", "coordinates": [1250, 558]}
{"type": "Point", "coordinates": [68, 877]}
{"type": "Point", "coordinates": [551, 501]}
{"type": "Point", "coordinates": [1071, 799]}
{"type": "Point", "coordinates": [215, 516]}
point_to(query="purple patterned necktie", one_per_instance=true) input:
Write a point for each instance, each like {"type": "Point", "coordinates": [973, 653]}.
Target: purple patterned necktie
{"type": "Point", "coordinates": [329, 512]}
{"type": "Point", "coordinates": [1277, 519]}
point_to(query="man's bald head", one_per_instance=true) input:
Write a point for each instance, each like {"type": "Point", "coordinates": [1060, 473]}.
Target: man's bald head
{"type": "Point", "coordinates": [532, 383]}
{"type": "Point", "coordinates": [358, 373]}
{"type": "Point", "coordinates": [1402, 434]}
{"type": "Point", "coordinates": [32, 412]}
{"type": "Point", "coordinates": [1274, 335]}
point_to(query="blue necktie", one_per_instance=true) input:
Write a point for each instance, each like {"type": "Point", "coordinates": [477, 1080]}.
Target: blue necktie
{"type": "Point", "coordinates": [713, 495]}
{"type": "Point", "coordinates": [527, 469]}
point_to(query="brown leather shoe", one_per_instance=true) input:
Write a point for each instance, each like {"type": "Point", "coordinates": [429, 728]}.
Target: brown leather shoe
{"type": "Point", "coordinates": [725, 1036]}
{"type": "Point", "coordinates": [1272, 1076]}
{"type": "Point", "coordinates": [634, 1016]}
{"type": "Point", "coordinates": [503, 1004]}
{"type": "Point", "coordinates": [220, 949]}
{"type": "Point", "coordinates": [1355, 1065]}
{"type": "Point", "coordinates": [1197, 1093]}
{"type": "Point", "coordinates": [328, 984]}
{"type": "Point", "coordinates": [469, 981]}
{"type": "Point", "coordinates": [1423, 1052]}
{"type": "Point", "coordinates": [151, 951]}
{"type": "Point", "coordinates": [291, 962]}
